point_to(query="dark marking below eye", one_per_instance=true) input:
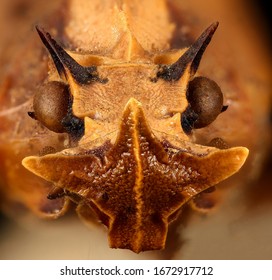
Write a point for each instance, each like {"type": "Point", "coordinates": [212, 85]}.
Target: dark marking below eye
{"type": "Point", "coordinates": [188, 119]}
{"type": "Point", "coordinates": [73, 125]}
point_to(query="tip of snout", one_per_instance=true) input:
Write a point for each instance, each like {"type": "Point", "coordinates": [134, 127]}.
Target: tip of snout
{"type": "Point", "coordinates": [132, 102]}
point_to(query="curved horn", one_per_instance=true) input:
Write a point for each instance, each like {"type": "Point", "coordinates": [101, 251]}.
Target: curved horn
{"type": "Point", "coordinates": [192, 56]}
{"type": "Point", "coordinates": [64, 63]}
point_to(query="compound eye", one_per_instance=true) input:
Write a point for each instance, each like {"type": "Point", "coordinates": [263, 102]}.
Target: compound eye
{"type": "Point", "coordinates": [205, 104]}
{"type": "Point", "coordinates": [206, 100]}
{"type": "Point", "coordinates": [51, 105]}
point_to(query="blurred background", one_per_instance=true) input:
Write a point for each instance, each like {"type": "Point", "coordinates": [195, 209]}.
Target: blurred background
{"type": "Point", "coordinates": [242, 226]}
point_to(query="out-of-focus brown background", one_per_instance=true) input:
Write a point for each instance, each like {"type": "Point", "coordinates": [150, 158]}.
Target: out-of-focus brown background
{"type": "Point", "coordinates": [241, 228]}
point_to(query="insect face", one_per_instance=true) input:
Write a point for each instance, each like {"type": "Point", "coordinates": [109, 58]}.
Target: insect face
{"type": "Point", "coordinates": [133, 163]}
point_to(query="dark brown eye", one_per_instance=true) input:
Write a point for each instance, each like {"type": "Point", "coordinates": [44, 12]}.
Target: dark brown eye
{"type": "Point", "coordinates": [51, 105]}
{"type": "Point", "coordinates": [205, 104]}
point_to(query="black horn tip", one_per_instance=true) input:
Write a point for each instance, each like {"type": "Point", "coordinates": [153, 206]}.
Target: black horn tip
{"type": "Point", "coordinates": [65, 64]}
{"type": "Point", "coordinates": [214, 25]}
{"type": "Point", "coordinates": [51, 46]}
{"type": "Point", "coordinates": [191, 58]}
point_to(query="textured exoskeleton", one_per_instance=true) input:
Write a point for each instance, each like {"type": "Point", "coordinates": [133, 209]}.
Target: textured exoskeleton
{"type": "Point", "coordinates": [111, 114]}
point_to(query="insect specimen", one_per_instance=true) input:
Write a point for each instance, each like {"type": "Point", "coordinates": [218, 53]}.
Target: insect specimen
{"type": "Point", "coordinates": [110, 123]}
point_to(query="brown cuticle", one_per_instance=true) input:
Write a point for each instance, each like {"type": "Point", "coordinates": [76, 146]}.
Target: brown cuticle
{"type": "Point", "coordinates": [206, 100]}
{"type": "Point", "coordinates": [51, 105]}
